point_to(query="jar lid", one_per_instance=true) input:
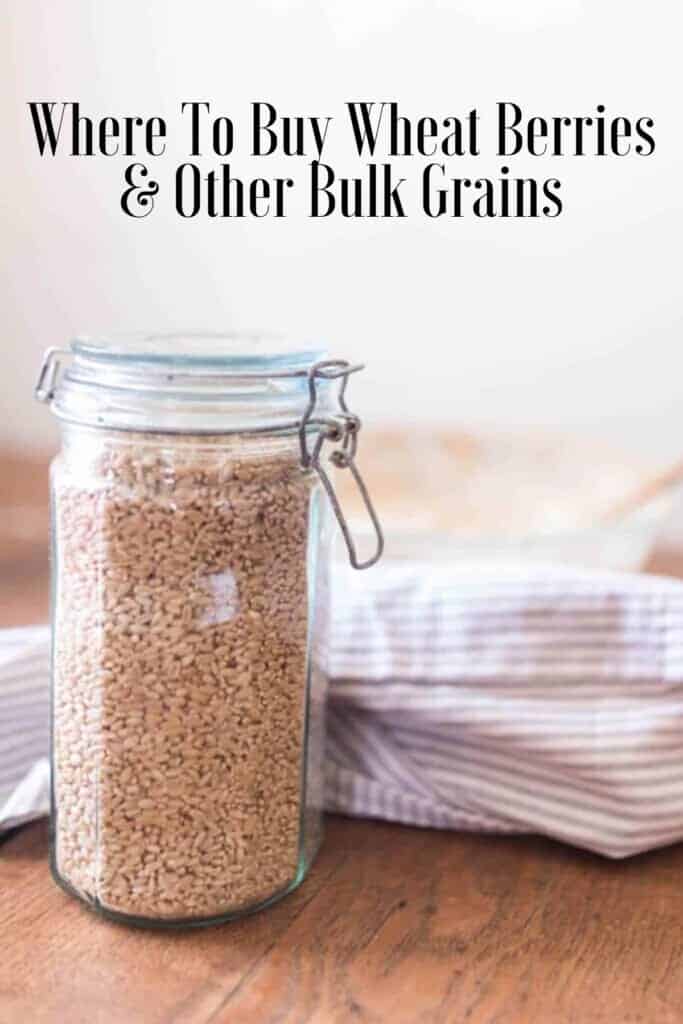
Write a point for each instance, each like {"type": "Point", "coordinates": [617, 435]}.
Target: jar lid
{"type": "Point", "coordinates": [181, 382]}
{"type": "Point", "coordinates": [197, 351]}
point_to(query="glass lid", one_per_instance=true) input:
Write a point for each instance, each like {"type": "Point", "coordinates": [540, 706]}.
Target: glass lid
{"type": "Point", "coordinates": [184, 381]}
{"type": "Point", "coordinates": [201, 351]}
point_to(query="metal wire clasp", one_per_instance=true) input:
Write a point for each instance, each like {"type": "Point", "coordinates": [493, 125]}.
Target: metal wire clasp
{"type": "Point", "coordinates": [341, 430]}
{"type": "Point", "coordinates": [46, 384]}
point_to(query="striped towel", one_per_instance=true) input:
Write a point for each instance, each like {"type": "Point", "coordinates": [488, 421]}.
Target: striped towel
{"type": "Point", "coordinates": [534, 699]}
{"type": "Point", "coordinates": [500, 699]}
{"type": "Point", "coordinates": [24, 729]}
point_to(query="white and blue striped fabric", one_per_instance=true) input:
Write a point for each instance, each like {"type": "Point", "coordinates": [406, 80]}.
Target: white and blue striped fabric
{"type": "Point", "coordinates": [499, 699]}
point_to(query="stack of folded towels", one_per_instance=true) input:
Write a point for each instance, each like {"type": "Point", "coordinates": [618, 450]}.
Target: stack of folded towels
{"type": "Point", "coordinates": [500, 699]}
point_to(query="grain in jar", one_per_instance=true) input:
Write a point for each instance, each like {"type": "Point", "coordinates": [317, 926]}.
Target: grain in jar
{"type": "Point", "coordinates": [191, 543]}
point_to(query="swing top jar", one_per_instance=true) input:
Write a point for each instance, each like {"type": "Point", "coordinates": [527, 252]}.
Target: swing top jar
{"type": "Point", "coordinates": [191, 538]}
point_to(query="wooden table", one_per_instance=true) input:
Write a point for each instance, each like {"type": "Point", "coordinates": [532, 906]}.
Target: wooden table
{"type": "Point", "coordinates": [394, 925]}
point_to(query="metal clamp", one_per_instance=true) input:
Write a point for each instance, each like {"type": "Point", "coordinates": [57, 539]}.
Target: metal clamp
{"type": "Point", "coordinates": [341, 430]}
{"type": "Point", "coordinates": [46, 384]}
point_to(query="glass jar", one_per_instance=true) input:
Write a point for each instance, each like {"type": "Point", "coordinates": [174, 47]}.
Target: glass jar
{"type": "Point", "coordinates": [191, 543]}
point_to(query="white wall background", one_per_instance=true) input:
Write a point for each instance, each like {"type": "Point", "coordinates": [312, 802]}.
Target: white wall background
{"type": "Point", "coordinates": [572, 323]}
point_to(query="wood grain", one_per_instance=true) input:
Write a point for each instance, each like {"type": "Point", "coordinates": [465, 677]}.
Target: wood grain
{"type": "Point", "coordinates": [396, 925]}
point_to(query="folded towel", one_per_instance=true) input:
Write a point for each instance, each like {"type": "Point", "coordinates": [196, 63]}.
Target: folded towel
{"type": "Point", "coordinates": [501, 699]}
{"type": "Point", "coordinates": [24, 726]}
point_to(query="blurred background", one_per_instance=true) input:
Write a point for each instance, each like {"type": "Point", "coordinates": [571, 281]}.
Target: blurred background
{"type": "Point", "coordinates": [527, 373]}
